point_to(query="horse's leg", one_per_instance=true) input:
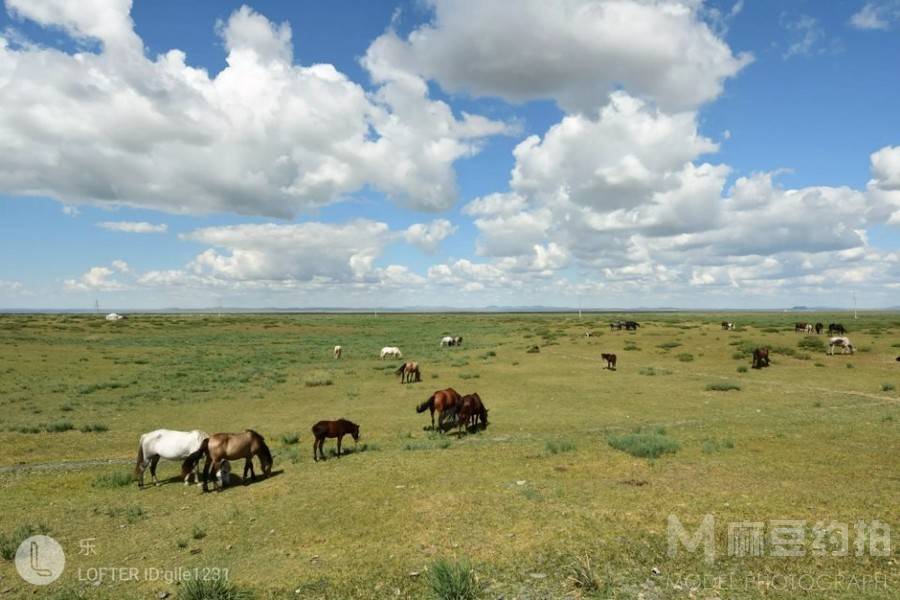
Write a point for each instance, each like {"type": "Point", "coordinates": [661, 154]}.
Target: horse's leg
{"type": "Point", "coordinates": [339, 440]}
{"type": "Point", "coordinates": [206, 467]}
{"type": "Point", "coordinates": [249, 466]}
{"type": "Point", "coordinates": [315, 444]}
{"type": "Point", "coordinates": [432, 418]}
{"type": "Point", "coordinates": [153, 462]}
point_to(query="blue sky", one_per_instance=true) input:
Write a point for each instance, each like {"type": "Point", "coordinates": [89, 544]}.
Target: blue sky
{"type": "Point", "coordinates": [605, 153]}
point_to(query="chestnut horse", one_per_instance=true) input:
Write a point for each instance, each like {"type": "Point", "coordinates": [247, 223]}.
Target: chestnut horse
{"type": "Point", "coordinates": [442, 401]}
{"type": "Point", "coordinates": [408, 371]}
{"type": "Point", "coordinates": [760, 358]}
{"type": "Point", "coordinates": [332, 429]}
{"type": "Point", "coordinates": [471, 410]}
{"type": "Point", "coordinates": [610, 361]}
{"type": "Point", "coordinates": [220, 447]}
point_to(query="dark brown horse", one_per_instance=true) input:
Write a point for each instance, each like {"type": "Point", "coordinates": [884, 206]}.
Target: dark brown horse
{"type": "Point", "coordinates": [819, 327]}
{"type": "Point", "coordinates": [760, 358]}
{"type": "Point", "coordinates": [471, 410]}
{"type": "Point", "coordinates": [442, 401]}
{"type": "Point", "coordinates": [610, 361]}
{"type": "Point", "coordinates": [233, 446]}
{"type": "Point", "coordinates": [332, 429]}
{"type": "Point", "coordinates": [408, 372]}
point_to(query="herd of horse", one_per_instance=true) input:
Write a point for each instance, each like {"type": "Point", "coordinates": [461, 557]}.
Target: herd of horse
{"type": "Point", "coordinates": [809, 328]}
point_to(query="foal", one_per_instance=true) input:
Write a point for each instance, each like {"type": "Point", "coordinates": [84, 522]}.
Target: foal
{"type": "Point", "coordinates": [610, 361]}
{"type": "Point", "coordinates": [332, 429]}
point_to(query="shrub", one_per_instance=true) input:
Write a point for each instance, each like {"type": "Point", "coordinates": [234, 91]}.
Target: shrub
{"type": "Point", "coordinates": [645, 444]}
{"type": "Point", "coordinates": [93, 427]}
{"type": "Point", "coordinates": [583, 576]}
{"type": "Point", "coordinates": [290, 438]}
{"type": "Point", "coordinates": [317, 378]}
{"type": "Point", "coordinates": [685, 357]}
{"type": "Point", "coordinates": [10, 543]}
{"type": "Point", "coordinates": [742, 369]}
{"type": "Point", "coordinates": [469, 376]}
{"type": "Point", "coordinates": [651, 371]}
{"type": "Point", "coordinates": [725, 386]}
{"type": "Point", "coordinates": [453, 580]}
{"type": "Point", "coordinates": [58, 427]}
{"type": "Point", "coordinates": [116, 479]}
{"type": "Point", "coordinates": [198, 533]}
{"type": "Point", "coordinates": [887, 387]}
{"type": "Point", "coordinates": [668, 345]}
{"type": "Point", "coordinates": [711, 445]}
{"type": "Point", "coordinates": [560, 446]}
{"type": "Point", "coordinates": [210, 589]}
{"type": "Point", "coordinates": [533, 349]}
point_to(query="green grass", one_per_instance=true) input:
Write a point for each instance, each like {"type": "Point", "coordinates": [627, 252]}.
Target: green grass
{"type": "Point", "coordinates": [318, 378]}
{"type": "Point", "coordinates": [115, 479]}
{"type": "Point", "coordinates": [556, 447]}
{"type": "Point", "coordinates": [9, 543]}
{"type": "Point", "coordinates": [685, 357]}
{"type": "Point", "coordinates": [58, 427]}
{"type": "Point", "coordinates": [93, 428]}
{"type": "Point", "coordinates": [887, 387]}
{"type": "Point", "coordinates": [453, 580]}
{"type": "Point", "coordinates": [645, 444]}
{"type": "Point", "coordinates": [210, 589]}
{"type": "Point", "coordinates": [290, 438]}
{"type": "Point", "coordinates": [722, 386]}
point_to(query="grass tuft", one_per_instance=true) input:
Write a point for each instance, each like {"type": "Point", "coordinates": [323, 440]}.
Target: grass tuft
{"type": "Point", "coordinates": [554, 447]}
{"type": "Point", "coordinates": [116, 479]}
{"type": "Point", "coordinates": [93, 427]}
{"type": "Point", "coordinates": [453, 580]}
{"type": "Point", "coordinates": [317, 378]}
{"type": "Point", "coordinates": [722, 386]}
{"type": "Point", "coordinates": [685, 357]}
{"type": "Point", "coordinates": [645, 444]}
{"type": "Point", "coordinates": [58, 427]}
{"type": "Point", "coordinates": [210, 589]}
{"type": "Point", "coordinates": [10, 543]}
{"type": "Point", "coordinates": [290, 438]}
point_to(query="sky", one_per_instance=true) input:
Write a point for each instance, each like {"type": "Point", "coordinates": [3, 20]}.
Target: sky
{"type": "Point", "coordinates": [436, 153]}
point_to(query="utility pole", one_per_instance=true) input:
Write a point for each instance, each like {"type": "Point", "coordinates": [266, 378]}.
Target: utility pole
{"type": "Point", "coordinates": [854, 306]}
{"type": "Point", "coordinates": [96, 306]}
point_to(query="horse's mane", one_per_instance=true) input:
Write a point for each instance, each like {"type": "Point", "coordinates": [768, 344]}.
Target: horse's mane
{"type": "Point", "coordinates": [256, 434]}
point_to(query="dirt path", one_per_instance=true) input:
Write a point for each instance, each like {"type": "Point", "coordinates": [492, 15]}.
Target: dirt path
{"type": "Point", "coordinates": [64, 465]}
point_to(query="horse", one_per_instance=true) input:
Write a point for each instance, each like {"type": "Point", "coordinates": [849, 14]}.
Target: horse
{"type": "Point", "coordinates": [457, 341]}
{"type": "Point", "coordinates": [616, 325]}
{"type": "Point", "coordinates": [224, 474]}
{"type": "Point", "coordinates": [446, 341]}
{"type": "Point", "coordinates": [408, 371]}
{"type": "Point", "coordinates": [337, 352]}
{"type": "Point", "coordinates": [610, 361]}
{"type": "Point", "coordinates": [588, 334]}
{"type": "Point", "coordinates": [168, 444]}
{"type": "Point", "coordinates": [802, 328]}
{"type": "Point", "coordinates": [840, 342]}
{"type": "Point", "coordinates": [631, 325]}
{"type": "Point", "coordinates": [727, 326]}
{"type": "Point", "coordinates": [442, 401]}
{"type": "Point", "coordinates": [391, 352]}
{"type": "Point", "coordinates": [332, 429]}
{"type": "Point", "coordinates": [760, 358]}
{"type": "Point", "coordinates": [471, 410]}
{"type": "Point", "coordinates": [819, 327]}
{"type": "Point", "coordinates": [220, 447]}
{"type": "Point", "coordinates": [836, 328]}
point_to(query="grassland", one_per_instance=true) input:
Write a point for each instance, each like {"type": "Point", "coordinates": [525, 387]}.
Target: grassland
{"type": "Point", "coordinates": [566, 494]}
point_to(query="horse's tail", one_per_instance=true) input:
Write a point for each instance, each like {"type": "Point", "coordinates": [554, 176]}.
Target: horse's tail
{"type": "Point", "coordinates": [194, 457]}
{"type": "Point", "coordinates": [140, 458]}
{"type": "Point", "coordinates": [426, 405]}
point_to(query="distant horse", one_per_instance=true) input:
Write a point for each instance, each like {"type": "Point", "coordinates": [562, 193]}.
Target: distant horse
{"type": "Point", "coordinates": [760, 358]}
{"type": "Point", "coordinates": [617, 325]}
{"type": "Point", "coordinates": [220, 447]}
{"type": "Point", "coordinates": [836, 328]}
{"type": "Point", "coordinates": [442, 401]}
{"type": "Point", "coordinates": [332, 429]}
{"type": "Point", "coordinates": [171, 445]}
{"type": "Point", "coordinates": [727, 326]}
{"type": "Point", "coordinates": [803, 328]}
{"type": "Point", "coordinates": [610, 361]}
{"type": "Point", "coordinates": [841, 342]}
{"type": "Point", "coordinates": [446, 341]}
{"type": "Point", "coordinates": [898, 359]}
{"type": "Point", "coordinates": [631, 325]}
{"type": "Point", "coordinates": [819, 327]}
{"type": "Point", "coordinates": [471, 410]}
{"type": "Point", "coordinates": [588, 334]}
{"type": "Point", "coordinates": [409, 371]}
{"type": "Point", "coordinates": [337, 351]}
{"type": "Point", "coordinates": [391, 352]}
{"type": "Point", "coordinates": [457, 341]}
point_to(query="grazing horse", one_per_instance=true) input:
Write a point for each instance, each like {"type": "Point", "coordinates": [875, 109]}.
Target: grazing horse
{"type": "Point", "coordinates": [446, 341]}
{"type": "Point", "coordinates": [332, 429]}
{"type": "Point", "coordinates": [836, 328]}
{"type": "Point", "coordinates": [588, 334]}
{"type": "Point", "coordinates": [457, 341]}
{"type": "Point", "coordinates": [471, 410]}
{"type": "Point", "coordinates": [442, 401]}
{"type": "Point", "coordinates": [337, 351]}
{"type": "Point", "coordinates": [617, 325]}
{"type": "Point", "coordinates": [224, 474]}
{"type": "Point", "coordinates": [760, 358]}
{"type": "Point", "coordinates": [408, 371]}
{"type": "Point", "coordinates": [727, 326]}
{"type": "Point", "coordinates": [631, 325]}
{"type": "Point", "coordinates": [220, 447]}
{"type": "Point", "coordinates": [819, 327]}
{"type": "Point", "coordinates": [803, 328]}
{"type": "Point", "coordinates": [610, 361]}
{"type": "Point", "coordinates": [841, 342]}
{"type": "Point", "coordinates": [391, 352]}
{"type": "Point", "coordinates": [171, 445]}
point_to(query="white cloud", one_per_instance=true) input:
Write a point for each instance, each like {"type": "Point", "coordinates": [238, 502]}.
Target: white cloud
{"type": "Point", "coordinates": [134, 227]}
{"type": "Point", "coordinates": [99, 279]}
{"type": "Point", "coordinates": [11, 286]}
{"type": "Point", "coordinates": [807, 36]}
{"type": "Point", "coordinates": [427, 236]}
{"type": "Point", "coordinates": [264, 136]}
{"type": "Point", "coordinates": [573, 52]}
{"type": "Point", "coordinates": [880, 14]}
{"type": "Point", "coordinates": [884, 188]}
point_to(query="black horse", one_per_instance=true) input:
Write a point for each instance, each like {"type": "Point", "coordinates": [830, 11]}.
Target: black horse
{"type": "Point", "coordinates": [836, 329]}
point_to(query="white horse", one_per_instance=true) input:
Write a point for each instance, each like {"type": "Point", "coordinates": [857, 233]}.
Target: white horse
{"type": "Point", "coordinates": [391, 352]}
{"type": "Point", "coordinates": [446, 341]}
{"type": "Point", "coordinates": [337, 351]}
{"type": "Point", "coordinates": [840, 342]}
{"type": "Point", "coordinates": [224, 474]}
{"type": "Point", "coordinates": [168, 444]}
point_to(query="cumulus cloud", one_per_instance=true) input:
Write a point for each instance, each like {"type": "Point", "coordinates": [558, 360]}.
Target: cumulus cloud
{"type": "Point", "coordinates": [876, 15]}
{"type": "Point", "coordinates": [576, 52]}
{"type": "Point", "coordinates": [427, 236]}
{"type": "Point", "coordinates": [884, 187]}
{"type": "Point", "coordinates": [264, 136]}
{"type": "Point", "coordinates": [101, 279]}
{"type": "Point", "coordinates": [134, 226]}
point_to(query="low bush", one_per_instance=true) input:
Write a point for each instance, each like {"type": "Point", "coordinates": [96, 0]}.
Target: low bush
{"type": "Point", "coordinates": [645, 444]}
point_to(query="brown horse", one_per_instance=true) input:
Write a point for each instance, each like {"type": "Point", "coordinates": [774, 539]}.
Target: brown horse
{"type": "Point", "coordinates": [408, 372]}
{"type": "Point", "coordinates": [760, 358]}
{"type": "Point", "coordinates": [332, 429]}
{"type": "Point", "coordinates": [610, 361]}
{"type": "Point", "coordinates": [233, 446]}
{"type": "Point", "coordinates": [442, 401]}
{"type": "Point", "coordinates": [471, 410]}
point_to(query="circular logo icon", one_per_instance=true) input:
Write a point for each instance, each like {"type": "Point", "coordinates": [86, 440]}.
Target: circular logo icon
{"type": "Point", "coordinates": [40, 560]}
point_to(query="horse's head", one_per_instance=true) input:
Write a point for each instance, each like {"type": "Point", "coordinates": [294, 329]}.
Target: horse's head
{"type": "Point", "coordinates": [355, 433]}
